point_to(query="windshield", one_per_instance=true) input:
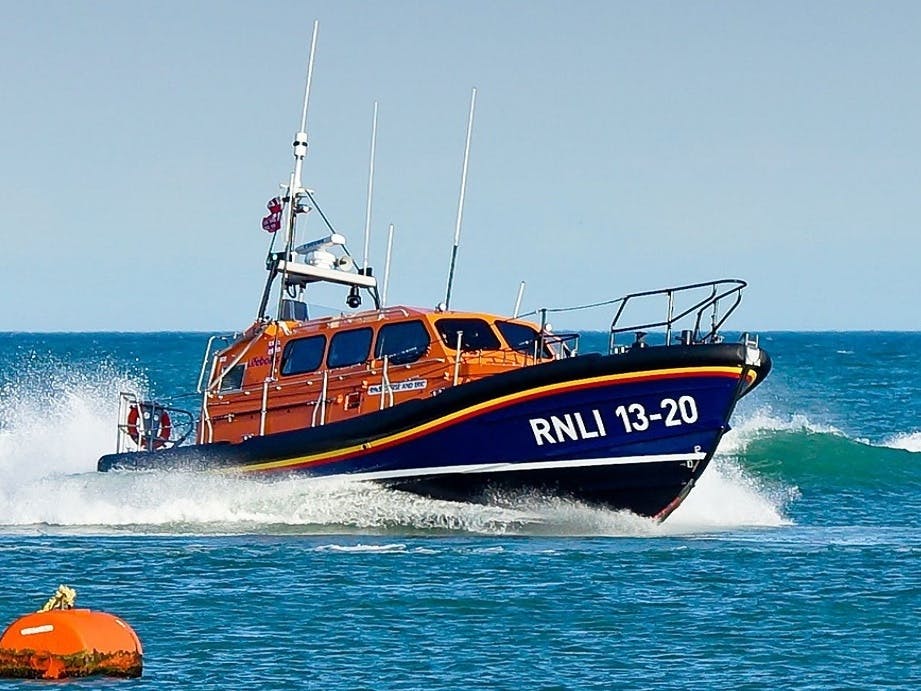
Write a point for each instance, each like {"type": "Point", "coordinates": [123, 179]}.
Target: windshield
{"type": "Point", "coordinates": [476, 334]}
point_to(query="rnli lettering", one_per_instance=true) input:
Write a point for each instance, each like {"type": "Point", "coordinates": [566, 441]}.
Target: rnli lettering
{"type": "Point", "coordinates": [635, 417]}
{"type": "Point", "coordinates": [259, 361]}
{"type": "Point", "coordinates": [567, 427]}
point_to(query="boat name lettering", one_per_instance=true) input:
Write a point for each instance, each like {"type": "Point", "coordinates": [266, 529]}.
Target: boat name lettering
{"type": "Point", "coordinates": [259, 361]}
{"type": "Point", "coordinates": [575, 426]}
{"type": "Point", "coordinates": [396, 387]}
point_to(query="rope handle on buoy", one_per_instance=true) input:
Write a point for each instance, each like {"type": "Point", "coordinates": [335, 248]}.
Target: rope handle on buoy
{"type": "Point", "coordinates": [64, 598]}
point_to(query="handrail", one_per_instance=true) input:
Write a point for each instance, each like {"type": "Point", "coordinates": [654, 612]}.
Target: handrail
{"type": "Point", "coordinates": [138, 436]}
{"type": "Point", "coordinates": [265, 406]}
{"type": "Point", "coordinates": [458, 354]}
{"type": "Point", "coordinates": [718, 290]}
{"type": "Point", "coordinates": [208, 358]}
{"type": "Point", "coordinates": [385, 383]}
{"type": "Point", "coordinates": [320, 405]}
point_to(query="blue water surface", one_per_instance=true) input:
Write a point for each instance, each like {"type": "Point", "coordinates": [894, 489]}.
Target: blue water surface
{"type": "Point", "coordinates": [795, 564]}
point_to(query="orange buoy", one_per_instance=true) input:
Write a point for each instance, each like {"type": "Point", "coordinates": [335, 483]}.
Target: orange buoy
{"type": "Point", "coordinates": [63, 642]}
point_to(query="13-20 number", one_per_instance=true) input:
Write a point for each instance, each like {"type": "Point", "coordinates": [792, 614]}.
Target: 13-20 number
{"type": "Point", "coordinates": [674, 412]}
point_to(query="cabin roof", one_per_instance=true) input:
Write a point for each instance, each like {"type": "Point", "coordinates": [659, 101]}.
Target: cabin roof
{"type": "Point", "coordinates": [388, 314]}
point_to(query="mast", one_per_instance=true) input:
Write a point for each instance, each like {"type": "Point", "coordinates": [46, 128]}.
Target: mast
{"type": "Point", "coordinates": [518, 299]}
{"type": "Point", "coordinates": [460, 203]}
{"type": "Point", "coordinates": [300, 137]}
{"type": "Point", "coordinates": [364, 263]}
{"type": "Point", "coordinates": [295, 187]}
{"type": "Point", "coordinates": [387, 265]}
{"type": "Point", "coordinates": [315, 261]}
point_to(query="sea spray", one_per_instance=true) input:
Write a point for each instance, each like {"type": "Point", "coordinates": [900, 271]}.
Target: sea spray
{"type": "Point", "coordinates": [55, 420]}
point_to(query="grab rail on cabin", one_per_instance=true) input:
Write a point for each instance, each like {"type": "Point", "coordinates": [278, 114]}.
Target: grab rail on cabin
{"type": "Point", "coordinates": [208, 357]}
{"type": "Point", "coordinates": [694, 302]}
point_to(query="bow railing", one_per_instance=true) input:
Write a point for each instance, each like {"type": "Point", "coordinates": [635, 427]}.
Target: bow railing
{"type": "Point", "coordinates": [696, 310]}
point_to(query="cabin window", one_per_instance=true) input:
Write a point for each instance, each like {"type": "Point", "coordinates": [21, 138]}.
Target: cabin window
{"type": "Point", "coordinates": [477, 334]}
{"type": "Point", "coordinates": [303, 355]}
{"type": "Point", "coordinates": [233, 378]}
{"type": "Point", "coordinates": [521, 337]}
{"type": "Point", "coordinates": [349, 347]}
{"type": "Point", "coordinates": [403, 342]}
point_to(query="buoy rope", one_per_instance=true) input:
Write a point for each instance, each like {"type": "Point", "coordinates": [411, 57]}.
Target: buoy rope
{"type": "Point", "coordinates": [64, 598]}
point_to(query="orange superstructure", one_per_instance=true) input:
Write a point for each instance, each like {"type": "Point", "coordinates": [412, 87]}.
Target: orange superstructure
{"type": "Point", "coordinates": [288, 375]}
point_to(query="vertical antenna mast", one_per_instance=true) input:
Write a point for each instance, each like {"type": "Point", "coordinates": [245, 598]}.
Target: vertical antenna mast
{"type": "Point", "coordinates": [387, 265]}
{"type": "Point", "coordinates": [295, 190]}
{"type": "Point", "coordinates": [364, 263]}
{"type": "Point", "coordinates": [300, 142]}
{"type": "Point", "coordinates": [294, 186]}
{"type": "Point", "coordinates": [518, 299]}
{"type": "Point", "coordinates": [460, 203]}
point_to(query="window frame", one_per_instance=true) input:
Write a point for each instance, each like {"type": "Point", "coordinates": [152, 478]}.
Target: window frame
{"type": "Point", "coordinates": [394, 325]}
{"type": "Point", "coordinates": [453, 346]}
{"type": "Point", "coordinates": [235, 385]}
{"type": "Point", "coordinates": [329, 349]}
{"type": "Point", "coordinates": [289, 344]}
{"type": "Point", "coordinates": [547, 353]}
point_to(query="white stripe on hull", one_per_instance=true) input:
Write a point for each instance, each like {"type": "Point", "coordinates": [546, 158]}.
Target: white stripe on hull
{"type": "Point", "coordinates": [534, 465]}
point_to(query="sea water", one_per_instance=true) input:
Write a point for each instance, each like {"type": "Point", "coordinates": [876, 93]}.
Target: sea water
{"type": "Point", "coordinates": [795, 563]}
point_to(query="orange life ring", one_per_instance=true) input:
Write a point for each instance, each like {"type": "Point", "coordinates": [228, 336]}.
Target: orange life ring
{"type": "Point", "coordinates": [162, 434]}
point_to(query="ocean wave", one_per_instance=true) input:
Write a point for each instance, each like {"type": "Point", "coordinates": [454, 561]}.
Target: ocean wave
{"type": "Point", "coordinates": [801, 452]}
{"type": "Point", "coordinates": [763, 422]}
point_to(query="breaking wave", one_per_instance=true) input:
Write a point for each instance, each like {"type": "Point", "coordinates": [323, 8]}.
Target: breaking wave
{"type": "Point", "coordinates": [799, 452]}
{"type": "Point", "coordinates": [907, 441]}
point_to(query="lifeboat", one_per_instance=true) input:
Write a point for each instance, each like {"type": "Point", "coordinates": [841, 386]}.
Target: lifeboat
{"type": "Point", "coordinates": [458, 405]}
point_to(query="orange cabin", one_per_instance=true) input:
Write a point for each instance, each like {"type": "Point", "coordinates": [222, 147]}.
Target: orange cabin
{"type": "Point", "coordinates": [286, 375]}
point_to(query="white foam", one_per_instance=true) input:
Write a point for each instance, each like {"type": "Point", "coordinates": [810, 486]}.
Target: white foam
{"type": "Point", "coordinates": [909, 441]}
{"type": "Point", "coordinates": [56, 421]}
{"type": "Point", "coordinates": [391, 548]}
{"type": "Point", "coordinates": [728, 497]}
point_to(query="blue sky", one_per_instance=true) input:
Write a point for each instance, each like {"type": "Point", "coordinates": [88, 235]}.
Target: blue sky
{"type": "Point", "coordinates": [617, 147]}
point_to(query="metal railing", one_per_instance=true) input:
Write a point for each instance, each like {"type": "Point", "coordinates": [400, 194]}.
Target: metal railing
{"type": "Point", "coordinates": [704, 302]}
{"type": "Point", "coordinates": [150, 426]}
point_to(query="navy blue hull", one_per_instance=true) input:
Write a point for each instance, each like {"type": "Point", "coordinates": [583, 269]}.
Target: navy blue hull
{"type": "Point", "coordinates": [631, 431]}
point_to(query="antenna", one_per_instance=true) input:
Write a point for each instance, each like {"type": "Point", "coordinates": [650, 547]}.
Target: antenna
{"type": "Point", "coordinates": [518, 299]}
{"type": "Point", "coordinates": [295, 191]}
{"type": "Point", "coordinates": [313, 48]}
{"type": "Point", "coordinates": [460, 203]}
{"type": "Point", "coordinates": [387, 265]}
{"type": "Point", "coordinates": [300, 142]}
{"type": "Point", "coordinates": [364, 264]}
